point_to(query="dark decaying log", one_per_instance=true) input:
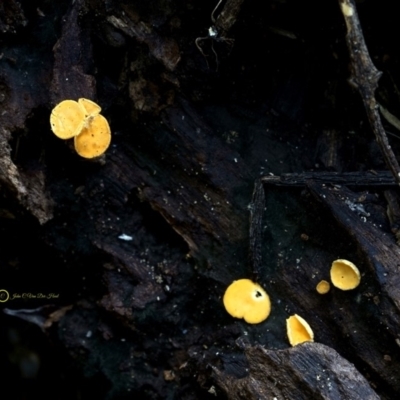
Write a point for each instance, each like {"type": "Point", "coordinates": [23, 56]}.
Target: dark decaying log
{"type": "Point", "coordinates": [380, 256]}
{"type": "Point", "coordinates": [21, 90]}
{"type": "Point", "coordinates": [309, 371]}
{"type": "Point", "coordinates": [349, 322]}
{"type": "Point", "coordinates": [11, 16]}
{"type": "Point", "coordinates": [73, 61]}
{"type": "Point", "coordinates": [163, 49]}
{"type": "Point", "coordinates": [204, 183]}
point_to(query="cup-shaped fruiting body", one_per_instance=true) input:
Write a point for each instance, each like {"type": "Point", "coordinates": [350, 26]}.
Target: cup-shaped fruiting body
{"type": "Point", "coordinates": [323, 287]}
{"type": "Point", "coordinates": [67, 119]}
{"type": "Point", "coordinates": [298, 330]}
{"type": "Point", "coordinates": [248, 300]}
{"type": "Point", "coordinates": [345, 275]}
{"type": "Point", "coordinates": [82, 121]}
{"type": "Point", "coordinates": [94, 138]}
{"type": "Point", "coordinates": [90, 107]}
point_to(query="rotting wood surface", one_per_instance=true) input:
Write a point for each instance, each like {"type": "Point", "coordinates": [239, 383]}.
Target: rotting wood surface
{"type": "Point", "coordinates": [141, 244]}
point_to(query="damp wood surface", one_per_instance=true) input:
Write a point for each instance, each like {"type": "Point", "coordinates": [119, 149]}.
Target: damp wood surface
{"type": "Point", "coordinates": [239, 150]}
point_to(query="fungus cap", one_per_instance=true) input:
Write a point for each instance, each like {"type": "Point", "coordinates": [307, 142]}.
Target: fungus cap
{"type": "Point", "coordinates": [345, 275]}
{"type": "Point", "coordinates": [298, 330]}
{"type": "Point", "coordinates": [323, 287]}
{"type": "Point", "coordinates": [92, 109]}
{"type": "Point", "coordinates": [94, 139]}
{"type": "Point", "coordinates": [246, 299]}
{"type": "Point", "coordinates": [67, 119]}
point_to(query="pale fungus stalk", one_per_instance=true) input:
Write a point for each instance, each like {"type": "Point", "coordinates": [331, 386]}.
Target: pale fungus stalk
{"type": "Point", "coordinates": [248, 300]}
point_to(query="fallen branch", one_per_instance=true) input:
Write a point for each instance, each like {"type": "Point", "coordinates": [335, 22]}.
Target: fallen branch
{"type": "Point", "coordinates": [368, 178]}
{"type": "Point", "coordinates": [364, 77]}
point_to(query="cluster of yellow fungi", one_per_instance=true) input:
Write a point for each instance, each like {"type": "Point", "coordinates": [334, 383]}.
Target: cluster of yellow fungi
{"type": "Point", "coordinates": [248, 300]}
{"type": "Point", "coordinates": [344, 275]}
{"type": "Point", "coordinates": [82, 121]}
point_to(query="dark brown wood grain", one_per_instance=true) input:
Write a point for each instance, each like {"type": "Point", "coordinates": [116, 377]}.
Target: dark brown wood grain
{"type": "Point", "coordinates": [251, 158]}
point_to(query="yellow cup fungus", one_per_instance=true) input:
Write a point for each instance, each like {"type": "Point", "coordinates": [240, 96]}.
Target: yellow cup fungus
{"type": "Point", "coordinates": [323, 287]}
{"type": "Point", "coordinates": [298, 330]}
{"type": "Point", "coordinates": [93, 139]}
{"type": "Point", "coordinates": [345, 275]}
{"type": "Point", "coordinates": [82, 121]}
{"type": "Point", "coordinates": [248, 300]}
{"type": "Point", "coordinates": [67, 119]}
{"type": "Point", "coordinates": [92, 109]}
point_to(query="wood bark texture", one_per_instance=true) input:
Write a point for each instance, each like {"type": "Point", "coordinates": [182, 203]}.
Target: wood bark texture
{"type": "Point", "coordinates": [239, 150]}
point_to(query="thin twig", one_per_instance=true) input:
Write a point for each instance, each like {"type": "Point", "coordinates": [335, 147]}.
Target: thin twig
{"type": "Point", "coordinates": [365, 78]}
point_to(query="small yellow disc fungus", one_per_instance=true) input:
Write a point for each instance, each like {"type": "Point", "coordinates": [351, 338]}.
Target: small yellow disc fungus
{"type": "Point", "coordinates": [323, 287]}
{"type": "Point", "coordinates": [94, 138]}
{"type": "Point", "coordinates": [345, 275]}
{"type": "Point", "coordinates": [82, 120]}
{"type": "Point", "coordinates": [67, 119]}
{"type": "Point", "coordinates": [298, 330]}
{"type": "Point", "coordinates": [246, 299]}
{"type": "Point", "coordinates": [92, 109]}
